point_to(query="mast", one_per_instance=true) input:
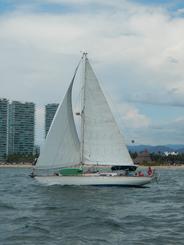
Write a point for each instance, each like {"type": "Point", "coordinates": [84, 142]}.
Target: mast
{"type": "Point", "coordinates": [84, 57]}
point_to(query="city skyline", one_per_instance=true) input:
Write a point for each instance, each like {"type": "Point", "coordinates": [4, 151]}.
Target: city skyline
{"type": "Point", "coordinates": [136, 50]}
{"type": "Point", "coordinates": [18, 126]}
{"type": "Point", "coordinates": [49, 113]}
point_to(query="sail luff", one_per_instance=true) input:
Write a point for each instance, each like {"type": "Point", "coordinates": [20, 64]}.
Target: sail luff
{"type": "Point", "coordinates": [82, 107]}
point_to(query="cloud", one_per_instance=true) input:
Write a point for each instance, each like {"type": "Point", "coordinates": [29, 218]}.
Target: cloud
{"type": "Point", "coordinates": [171, 96]}
{"type": "Point", "coordinates": [137, 52]}
{"type": "Point", "coordinates": [180, 11]}
{"type": "Point", "coordinates": [157, 134]}
{"type": "Point", "coordinates": [167, 131]}
{"type": "Point", "coordinates": [131, 117]}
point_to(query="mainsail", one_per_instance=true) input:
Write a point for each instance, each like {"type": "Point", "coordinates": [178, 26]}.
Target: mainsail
{"type": "Point", "coordinates": [62, 146]}
{"type": "Point", "coordinates": [102, 142]}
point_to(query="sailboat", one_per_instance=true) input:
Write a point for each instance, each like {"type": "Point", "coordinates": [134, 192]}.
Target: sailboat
{"type": "Point", "coordinates": [101, 145]}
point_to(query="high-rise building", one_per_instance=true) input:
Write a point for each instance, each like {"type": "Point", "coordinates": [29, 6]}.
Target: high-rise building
{"type": "Point", "coordinates": [50, 110]}
{"type": "Point", "coordinates": [3, 128]}
{"type": "Point", "coordinates": [21, 128]}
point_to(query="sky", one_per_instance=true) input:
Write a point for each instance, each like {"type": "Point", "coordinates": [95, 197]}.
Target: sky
{"type": "Point", "coordinates": [136, 48]}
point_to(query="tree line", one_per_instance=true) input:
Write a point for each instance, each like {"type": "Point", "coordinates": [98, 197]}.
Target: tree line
{"type": "Point", "coordinates": [160, 158]}
{"type": "Point", "coordinates": [156, 158]}
{"type": "Point", "coordinates": [21, 158]}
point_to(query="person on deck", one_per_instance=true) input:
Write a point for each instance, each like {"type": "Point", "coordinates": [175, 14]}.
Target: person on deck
{"type": "Point", "coordinates": [140, 173]}
{"type": "Point", "coordinates": [150, 171]}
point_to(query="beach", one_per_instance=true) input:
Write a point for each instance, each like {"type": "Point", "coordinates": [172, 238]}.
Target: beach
{"type": "Point", "coordinates": [172, 167]}
{"type": "Point", "coordinates": [29, 165]}
{"type": "Point", "coordinates": [25, 165]}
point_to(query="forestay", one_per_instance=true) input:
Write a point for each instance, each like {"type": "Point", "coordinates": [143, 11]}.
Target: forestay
{"type": "Point", "coordinates": [103, 143]}
{"type": "Point", "coordinates": [62, 147]}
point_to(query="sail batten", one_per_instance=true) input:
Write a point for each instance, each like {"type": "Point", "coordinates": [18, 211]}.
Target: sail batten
{"type": "Point", "coordinates": [103, 142]}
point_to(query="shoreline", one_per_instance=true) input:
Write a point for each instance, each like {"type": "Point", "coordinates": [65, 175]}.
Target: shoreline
{"type": "Point", "coordinates": [26, 165]}
{"type": "Point", "coordinates": [172, 167]}
{"type": "Point", "coordinates": [29, 165]}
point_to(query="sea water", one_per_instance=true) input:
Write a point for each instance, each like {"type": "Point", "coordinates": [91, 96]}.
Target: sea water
{"type": "Point", "coordinates": [34, 214]}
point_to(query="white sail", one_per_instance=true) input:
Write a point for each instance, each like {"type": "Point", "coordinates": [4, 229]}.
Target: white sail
{"type": "Point", "coordinates": [102, 143]}
{"type": "Point", "coordinates": [62, 146]}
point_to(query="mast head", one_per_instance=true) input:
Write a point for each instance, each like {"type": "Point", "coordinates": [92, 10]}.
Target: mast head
{"type": "Point", "coordinates": [84, 54]}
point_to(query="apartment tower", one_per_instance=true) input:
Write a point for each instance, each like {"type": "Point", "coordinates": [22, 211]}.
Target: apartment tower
{"type": "Point", "coordinates": [21, 128]}
{"type": "Point", "coordinates": [50, 110]}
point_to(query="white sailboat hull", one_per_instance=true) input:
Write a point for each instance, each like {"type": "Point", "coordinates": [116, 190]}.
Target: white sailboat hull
{"type": "Point", "coordinates": [95, 180]}
{"type": "Point", "coordinates": [101, 140]}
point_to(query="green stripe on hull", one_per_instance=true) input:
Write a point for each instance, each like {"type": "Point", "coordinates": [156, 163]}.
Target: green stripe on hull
{"type": "Point", "coordinates": [70, 171]}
